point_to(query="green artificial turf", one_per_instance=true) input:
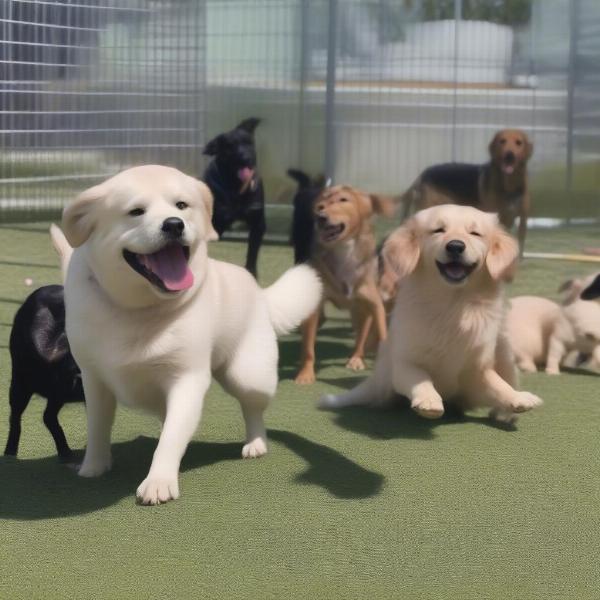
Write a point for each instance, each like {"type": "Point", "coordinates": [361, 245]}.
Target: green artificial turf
{"type": "Point", "coordinates": [354, 504]}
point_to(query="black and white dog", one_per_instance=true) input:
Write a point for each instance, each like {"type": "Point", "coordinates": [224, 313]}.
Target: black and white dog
{"type": "Point", "coordinates": [236, 186]}
{"type": "Point", "coordinates": [42, 364]}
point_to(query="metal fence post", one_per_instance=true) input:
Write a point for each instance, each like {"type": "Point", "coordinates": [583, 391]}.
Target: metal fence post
{"type": "Point", "coordinates": [457, 19]}
{"type": "Point", "coordinates": [330, 141]}
{"type": "Point", "coordinates": [303, 68]}
{"type": "Point", "coordinates": [571, 82]}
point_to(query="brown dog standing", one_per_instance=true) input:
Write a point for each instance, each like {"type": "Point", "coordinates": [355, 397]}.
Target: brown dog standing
{"type": "Point", "coordinates": [344, 255]}
{"type": "Point", "coordinates": [498, 186]}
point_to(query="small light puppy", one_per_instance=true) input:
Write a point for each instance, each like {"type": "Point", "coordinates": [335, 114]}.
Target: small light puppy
{"type": "Point", "coordinates": [149, 316]}
{"type": "Point", "coordinates": [543, 333]}
{"type": "Point", "coordinates": [446, 340]}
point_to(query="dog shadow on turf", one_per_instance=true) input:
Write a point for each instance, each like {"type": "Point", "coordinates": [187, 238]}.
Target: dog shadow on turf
{"type": "Point", "coordinates": [44, 488]}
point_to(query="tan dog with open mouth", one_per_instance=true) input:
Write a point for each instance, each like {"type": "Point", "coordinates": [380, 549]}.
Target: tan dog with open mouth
{"type": "Point", "coordinates": [498, 186]}
{"type": "Point", "coordinates": [344, 255]}
{"type": "Point", "coordinates": [150, 317]}
{"type": "Point", "coordinates": [446, 340]}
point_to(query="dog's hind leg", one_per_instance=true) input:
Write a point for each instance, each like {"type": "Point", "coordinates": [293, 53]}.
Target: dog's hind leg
{"type": "Point", "coordinates": [251, 377]}
{"type": "Point", "coordinates": [20, 395]}
{"type": "Point", "coordinates": [51, 422]}
{"type": "Point", "coordinates": [100, 410]}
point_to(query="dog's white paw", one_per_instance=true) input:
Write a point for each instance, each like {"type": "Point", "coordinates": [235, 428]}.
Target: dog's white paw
{"type": "Point", "coordinates": [94, 468]}
{"type": "Point", "coordinates": [257, 447]}
{"type": "Point", "coordinates": [158, 490]}
{"type": "Point", "coordinates": [524, 401]}
{"type": "Point", "coordinates": [428, 405]}
{"type": "Point", "coordinates": [552, 371]}
{"type": "Point", "coordinates": [356, 363]}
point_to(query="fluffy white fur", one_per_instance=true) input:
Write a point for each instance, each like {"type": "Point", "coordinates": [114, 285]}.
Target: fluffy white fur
{"type": "Point", "coordinates": [446, 339]}
{"type": "Point", "coordinates": [153, 349]}
{"type": "Point", "coordinates": [542, 333]}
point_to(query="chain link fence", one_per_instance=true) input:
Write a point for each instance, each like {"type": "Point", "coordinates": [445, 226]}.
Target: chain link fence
{"type": "Point", "coordinates": [368, 91]}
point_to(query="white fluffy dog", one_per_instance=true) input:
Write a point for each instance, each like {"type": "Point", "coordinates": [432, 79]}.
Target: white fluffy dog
{"type": "Point", "coordinates": [446, 339]}
{"type": "Point", "coordinates": [149, 316]}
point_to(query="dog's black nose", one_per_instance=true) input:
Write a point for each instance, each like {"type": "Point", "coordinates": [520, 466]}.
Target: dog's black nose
{"type": "Point", "coordinates": [509, 157]}
{"type": "Point", "coordinates": [173, 227]}
{"type": "Point", "coordinates": [321, 219]}
{"type": "Point", "coordinates": [455, 247]}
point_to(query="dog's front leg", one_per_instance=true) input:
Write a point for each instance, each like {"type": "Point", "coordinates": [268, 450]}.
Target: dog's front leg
{"type": "Point", "coordinates": [556, 352]}
{"type": "Point", "coordinates": [500, 394]}
{"type": "Point", "coordinates": [184, 408]}
{"type": "Point", "coordinates": [100, 407]}
{"type": "Point", "coordinates": [258, 226]}
{"type": "Point", "coordinates": [415, 383]}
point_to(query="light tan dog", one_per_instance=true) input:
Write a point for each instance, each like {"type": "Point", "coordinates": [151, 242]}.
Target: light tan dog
{"type": "Point", "coordinates": [344, 255]}
{"type": "Point", "coordinates": [150, 318]}
{"type": "Point", "coordinates": [446, 339]}
{"type": "Point", "coordinates": [499, 186]}
{"type": "Point", "coordinates": [543, 333]}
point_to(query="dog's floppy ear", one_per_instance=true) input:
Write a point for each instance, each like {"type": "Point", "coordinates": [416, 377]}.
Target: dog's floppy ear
{"type": "Point", "coordinates": [248, 125]}
{"type": "Point", "coordinates": [571, 289]}
{"type": "Point", "coordinates": [528, 146]}
{"type": "Point", "coordinates": [206, 197]}
{"type": "Point", "coordinates": [501, 260]}
{"type": "Point", "coordinates": [402, 249]}
{"type": "Point", "coordinates": [79, 215]}
{"type": "Point", "coordinates": [213, 147]}
{"type": "Point", "coordinates": [494, 144]}
{"type": "Point", "coordinates": [592, 291]}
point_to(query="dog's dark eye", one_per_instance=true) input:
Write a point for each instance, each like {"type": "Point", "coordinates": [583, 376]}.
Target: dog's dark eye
{"type": "Point", "coordinates": [503, 141]}
{"type": "Point", "coordinates": [475, 233]}
{"type": "Point", "coordinates": [136, 212]}
{"type": "Point", "coordinates": [181, 205]}
{"type": "Point", "coordinates": [343, 199]}
{"type": "Point", "coordinates": [321, 207]}
{"type": "Point", "coordinates": [519, 142]}
{"type": "Point", "coordinates": [439, 230]}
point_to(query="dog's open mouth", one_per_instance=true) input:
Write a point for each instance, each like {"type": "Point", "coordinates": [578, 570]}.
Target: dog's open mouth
{"type": "Point", "coordinates": [330, 233]}
{"type": "Point", "coordinates": [167, 268]}
{"type": "Point", "coordinates": [508, 164]}
{"type": "Point", "coordinates": [455, 271]}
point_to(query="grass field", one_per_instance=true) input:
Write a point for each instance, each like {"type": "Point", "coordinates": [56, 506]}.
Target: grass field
{"type": "Point", "coordinates": [354, 504]}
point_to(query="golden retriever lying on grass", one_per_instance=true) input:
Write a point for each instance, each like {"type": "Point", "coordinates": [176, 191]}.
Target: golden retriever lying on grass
{"type": "Point", "coordinates": [446, 340]}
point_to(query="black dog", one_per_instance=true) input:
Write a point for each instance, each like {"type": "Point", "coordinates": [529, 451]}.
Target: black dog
{"type": "Point", "coordinates": [42, 364]}
{"type": "Point", "coordinates": [303, 227]}
{"type": "Point", "coordinates": [592, 291]}
{"type": "Point", "coordinates": [236, 185]}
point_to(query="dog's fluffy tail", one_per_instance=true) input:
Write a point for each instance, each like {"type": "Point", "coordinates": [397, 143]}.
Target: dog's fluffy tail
{"type": "Point", "coordinates": [62, 247]}
{"type": "Point", "coordinates": [293, 297]}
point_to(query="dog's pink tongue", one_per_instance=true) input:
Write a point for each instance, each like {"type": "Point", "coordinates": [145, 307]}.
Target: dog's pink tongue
{"type": "Point", "coordinates": [508, 169]}
{"type": "Point", "coordinates": [172, 267]}
{"type": "Point", "coordinates": [245, 174]}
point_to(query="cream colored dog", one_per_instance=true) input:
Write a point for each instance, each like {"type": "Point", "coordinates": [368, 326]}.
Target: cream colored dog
{"type": "Point", "coordinates": [542, 333]}
{"type": "Point", "coordinates": [446, 339]}
{"type": "Point", "coordinates": [149, 316]}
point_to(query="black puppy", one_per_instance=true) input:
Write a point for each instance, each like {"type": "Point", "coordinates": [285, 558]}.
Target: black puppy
{"type": "Point", "coordinates": [42, 364]}
{"type": "Point", "coordinates": [236, 186]}
{"type": "Point", "coordinates": [302, 233]}
{"type": "Point", "coordinates": [592, 291]}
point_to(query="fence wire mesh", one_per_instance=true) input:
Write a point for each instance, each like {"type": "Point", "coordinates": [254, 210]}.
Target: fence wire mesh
{"type": "Point", "coordinates": [372, 91]}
